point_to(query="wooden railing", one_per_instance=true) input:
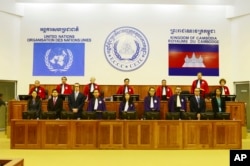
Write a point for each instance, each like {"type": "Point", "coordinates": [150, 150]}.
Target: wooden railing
{"type": "Point", "coordinates": [125, 134]}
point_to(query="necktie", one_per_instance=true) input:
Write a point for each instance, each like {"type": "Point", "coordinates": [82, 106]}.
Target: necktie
{"type": "Point", "coordinates": [91, 87]}
{"type": "Point", "coordinates": [54, 101]}
{"type": "Point", "coordinates": [96, 104]}
{"type": "Point", "coordinates": [178, 101]}
{"type": "Point", "coordinates": [151, 103]}
{"type": "Point", "coordinates": [62, 90]}
{"type": "Point", "coordinates": [126, 106]}
{"type": "Point", "coordinates": [198, 101]}
{"type": "Point", "coordinates": [164, 91]}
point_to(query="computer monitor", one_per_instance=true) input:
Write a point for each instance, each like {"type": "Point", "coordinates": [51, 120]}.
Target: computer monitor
{"type": "Point", "coordinates": [152, 115]}
{"type": "Point", "coordinates": [173, 116]}
{"type": "Point", "coordinates": [109, 115]}
{"type": "Point", "coordinates": [64, 97]}
{"type": "Point", "coordinates": [222, 116]}
{"type": "Point", "coordinates": [189, 116]}
{"type": "Point", "coordinates": [48, 115]}
{"type": "Point", "coordinates": [24, 97]}
{"type": "Point", "coordinates": [135, 97]}
{"type": "Point", "coordinates": [207, 116]}
{"type": "Point", "coordinates": [187, 96]}
{"type": "Point", "coordinates": [89, 115]}
{"type": "Point", "coordinates": [129, 115]}
{"type": "Point", "coordinates": [68, 115]}
{"type": "Point", "coordinates": [117, 97]}
{"type": "Point", "coordinates": [229, 97]}
{"type": "Point", "coordinates": [29, 115]}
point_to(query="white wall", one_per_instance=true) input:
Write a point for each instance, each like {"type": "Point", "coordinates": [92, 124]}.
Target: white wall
{"type": "Point", "coordinates": [9, 46]}
{"type": "Point", "coordinates": [97, 21]}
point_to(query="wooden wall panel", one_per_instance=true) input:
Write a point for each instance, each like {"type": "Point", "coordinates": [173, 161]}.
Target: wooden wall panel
{"type": "Point", "coordinates": [138, 135]}
{"type": "Point", "coordinates": [168, 135]}
{"type": "Point", "coordinates": [197, 133]}
{"type": "Point", "coordinates": [224, 135]}
{"type": "Point", "coordinates": [110, 134]}
{"type": "Point", "coordinates": [56, 135]}
{"type": "Point", "coordinates": [26, 134]}
{"type": "Point", "coordinates": [84, 134]}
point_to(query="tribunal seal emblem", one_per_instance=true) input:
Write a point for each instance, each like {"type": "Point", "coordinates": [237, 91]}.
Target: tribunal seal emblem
{"type": "Point", "coordinates": [58, 59]}
{"type": "Point", "coordinates": [126, 48]}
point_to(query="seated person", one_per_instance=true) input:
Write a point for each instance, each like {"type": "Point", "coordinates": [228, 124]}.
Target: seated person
{"type": "Point", "coordinates": [76, 101]}
{"type": "Point", "coordinates": [223, 87]}
{"type": "Point", "coordinates": [55, 104]}
{"type": "Point", "coordinates": [197, 103]}
{"type": "Point", "coordinates": [125, 88]}
{"type": "Point", "coordinates": [151, 102]}
{"type": "Point", "coordinates": [35, 104]}
{"type": "Point", "coordinates": [64, 88]}
{"type": "Point", "coordinates": [126, 104]}
{"type": "Point", "coordinates": [177, 103]}
{"type": "Point", "coordinates": [39, 89]}
{"type": "Point", "coordinates": [164, 92]}
{"type": "Point", "coordinates": [218, 102]}
{"type": "Point", "coordinates": [97, 104]}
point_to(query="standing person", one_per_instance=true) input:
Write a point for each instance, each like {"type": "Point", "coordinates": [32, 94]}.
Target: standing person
{"type": "Point", "coordinates": [55, 104]}
{"type": "Point", "coordinates": [223, 87]}
{"type": "Point", "coordinates": [126, 104]}
{"type": "Point", "coordinates": [201, 84]}
{"type": "Point", "coordinates": [197, 103]}
{"type": "Point", "coordinates": [218, 102]}
{"type": "Point", "coordinates": [125, 88]}
{"type": "Point", "coordinates": [35, 104]}
{"type": "Point", "coordinates": [1, 100]}
{"type": "Point", "coordinates": [64, 88]}
{"type": "Point", "coordinates": [151, 102]}
{"type": "Point", "coordinates": [39, 89]}
{"type": "Point", "coordinates": [76, 101]}
{"type": "Point", "coordinates": [89, 88]}
{"type": "Point", "coordinates": [97, 104]}
{"type": "Point", "coordinates": [164, 92]}
{"type": "Point", "coordinates": [177, 103]}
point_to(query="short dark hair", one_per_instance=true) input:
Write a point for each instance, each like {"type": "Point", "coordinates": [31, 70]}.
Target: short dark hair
{"type": "Point", "coordinates": [126, 79]}
{"type": "Point", "coordinates": [222, 80]}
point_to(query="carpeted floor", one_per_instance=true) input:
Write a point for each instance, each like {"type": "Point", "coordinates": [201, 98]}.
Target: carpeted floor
{"type": "Point", "coordinates": [118, 157]}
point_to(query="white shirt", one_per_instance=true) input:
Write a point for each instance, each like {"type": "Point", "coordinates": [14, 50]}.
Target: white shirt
{"type": "Point", "coordinates": [178, 101]}
{"type": "Point", "coordinates": [126, 106]}
{"type": "Point", "coordinates": [96, 104]}
{"type": "Point", "coordinates": [164, 91]}
{"type": "Point", "coordinates": [151, 102]}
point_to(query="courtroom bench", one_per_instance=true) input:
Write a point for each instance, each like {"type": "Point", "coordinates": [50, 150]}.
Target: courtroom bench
{"type": "Point", "coordinates": [109, 90]}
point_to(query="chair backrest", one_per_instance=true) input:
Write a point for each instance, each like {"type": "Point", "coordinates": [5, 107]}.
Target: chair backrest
{"type": "Point", "coordinates": [173, 116]}
{"type": "Point", "coordinates": [88, 115]}
{"type": "Point", "coordinates": [109, 115]}
{"type": "Point", "coordinates": [152, 115]}
{"type": "Point", "coordinates": [29, 115]}
{"type": "Point", "coordinates": [48, 115]}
